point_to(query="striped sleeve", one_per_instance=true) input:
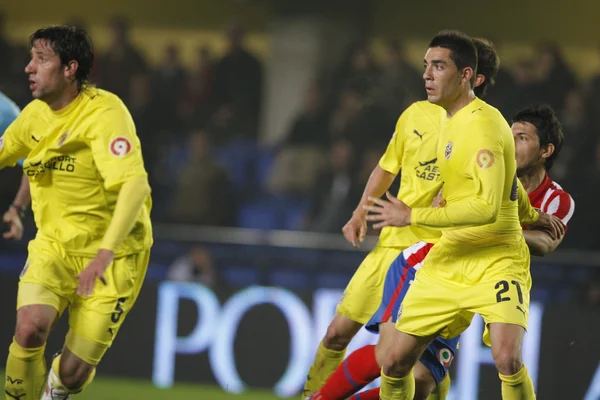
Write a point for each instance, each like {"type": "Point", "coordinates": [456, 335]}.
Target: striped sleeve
{"type": "Point", "coordinates": [560, 204]}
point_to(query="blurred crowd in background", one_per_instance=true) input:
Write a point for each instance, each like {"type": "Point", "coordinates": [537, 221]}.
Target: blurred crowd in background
{"type": "Point", "coordinates": [200, 129]}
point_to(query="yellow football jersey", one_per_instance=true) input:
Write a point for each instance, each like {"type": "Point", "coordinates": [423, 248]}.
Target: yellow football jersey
{"type": "Point", "coordinates": [76, 160]}
{"type": "Point", "coordinates": [413, 150]}
{"type": "Point", "coordinates": [476, 155]}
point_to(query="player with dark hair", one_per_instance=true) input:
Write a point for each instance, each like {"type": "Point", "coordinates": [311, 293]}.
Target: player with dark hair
{"type": "Point", "coordinates": [538, 140]}
{"type": "Point", "coordinates": [480, 264]}
{"type": "Point", "coordinates": [432, 368]}
{"type": "Point", "coordinates": [91, 203]}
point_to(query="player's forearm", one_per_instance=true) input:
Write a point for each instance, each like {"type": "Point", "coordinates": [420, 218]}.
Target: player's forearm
{"type": "Point", "coordinates": [461, 214]}
{"type": "Point", "coordinates": [379, 182]}
{"type": "Point", "coordinates": [527, 214]}
{"type": "Point", "coordinates": [23, 197]}
{"type": "Point", "coordinates": [540, 243]}
{"type": "Point", "coordinates": [132, 196]}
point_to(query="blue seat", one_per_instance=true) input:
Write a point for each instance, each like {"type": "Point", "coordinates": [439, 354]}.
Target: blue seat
{"type": "Point", "coordinates": [263, 165]}
{"type": "Point", "coordinates": [239, 276]}
{"type": "Point", "coordinates": [289, 279]}
{"type": "Point", "coordinates": [258, 216]}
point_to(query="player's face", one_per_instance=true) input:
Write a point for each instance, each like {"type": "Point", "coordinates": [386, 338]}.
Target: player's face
{"type": "Point", "coordinates": [442, 78]}
{"type": "Point", "coordinates": [527, 146]}
{"type": "Point", "coordinates": [46, 72]}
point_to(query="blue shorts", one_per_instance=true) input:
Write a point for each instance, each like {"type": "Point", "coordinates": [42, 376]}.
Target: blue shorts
{"type": "Point", "coordinates": [440, 353]}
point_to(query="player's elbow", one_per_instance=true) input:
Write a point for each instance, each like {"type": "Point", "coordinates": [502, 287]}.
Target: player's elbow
{"type": "Point", "coordinates": [488, 215]}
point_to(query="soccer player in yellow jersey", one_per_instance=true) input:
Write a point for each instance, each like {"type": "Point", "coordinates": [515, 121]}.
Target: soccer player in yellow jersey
{"type": "Point", "coordinates": [412, 149]}
{"type": "Point", "coordinates": [481, 262]}
{"type": "Point", "coordinates": [91, 203]}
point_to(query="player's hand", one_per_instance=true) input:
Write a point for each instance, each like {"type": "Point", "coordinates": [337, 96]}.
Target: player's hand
{"type": "Point", "coordinates": [550, 224]}
{"type": "Point", "coordinates": [355, 229]}
{"type": "Point", "coordinates": [94, 270]}
{"type": "Point", "coordinates": [391, 212]}
{"type": "Point", "coordinates": [13, 220]}
{"type": "Point", "coordinates": [438, 200]}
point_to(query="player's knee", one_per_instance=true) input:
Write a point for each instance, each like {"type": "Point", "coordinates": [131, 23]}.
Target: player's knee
{"type": "Point", "coordinates": [397, 366]}
{"type": "Point", "coordinates": [339, 333]}
{"type": "Point", "coordinates": [32, 329]}
{"type": "Point", "coordinates": [508, 361]}
{"type": "Point", "coordinates": [74, 375]}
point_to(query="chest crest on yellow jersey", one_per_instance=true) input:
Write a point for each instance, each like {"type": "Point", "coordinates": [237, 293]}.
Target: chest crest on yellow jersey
{"type": "Point", "coordinates": [448, 151]}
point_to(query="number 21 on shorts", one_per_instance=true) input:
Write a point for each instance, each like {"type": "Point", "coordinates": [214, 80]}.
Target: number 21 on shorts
{"type": "Point", "coordinates": [503, 288]}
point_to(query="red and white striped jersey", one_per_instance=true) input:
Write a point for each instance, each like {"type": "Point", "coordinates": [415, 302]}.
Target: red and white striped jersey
{"type": "Point", "coordinates": [550, 198]}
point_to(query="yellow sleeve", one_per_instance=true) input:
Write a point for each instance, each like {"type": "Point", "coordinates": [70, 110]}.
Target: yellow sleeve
{"type": "Point", "coordinates": [391, 161]}
{"type": "Point", "coordinates": [484, 161]}
{"type": "Point", "coordinates": [12, 147]}
{"type": "Point", "coordinates": [132, 196]}
{"type": "Point", "coordinates": [527, 214]}
{"type": "Point", "coordinates": [116, 148]}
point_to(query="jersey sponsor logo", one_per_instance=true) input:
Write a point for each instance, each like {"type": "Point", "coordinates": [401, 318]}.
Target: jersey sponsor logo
{"type": "Point", "coordinates": [60, 163]}
{"type": "Point", "coordinates": [428, 171]}
{"type": "Point", "coordinates": [445, 357]}
{"type": "Point", "coordinates": [485, 158]}
{"type": "Point", "coordinates": [448, 151]}
{"type": "Point", "coordinates": [120, 146]}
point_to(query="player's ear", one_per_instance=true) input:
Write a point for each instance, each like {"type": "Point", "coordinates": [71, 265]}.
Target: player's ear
{"type": "Point", "coordinates": [479, 79]}
{"type": "Point", "coordinates": [467, 74]}
{"type": "Point", "coordinates": [71, 69]}
{"type": "Point", "coordinates": [547, 150]}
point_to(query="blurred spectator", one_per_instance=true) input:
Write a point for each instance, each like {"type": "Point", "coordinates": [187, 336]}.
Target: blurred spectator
{"type": "Point", "coordinates": [575, 124]}
{"type": "Point", "coordinates": [238, 85]}
{"type": "Point", "coordinates": [365, 123]}
{"type": "Point", "coordinates": [168, 82]}
{"type": "Point", "coordinates": [196, 266]}
{"type": "Point", "coordinates": [145, 116]}
{"type": "Point", "coordinates": [198, 88]}
{"type": "Point", "coordinates": [6, 48]}
{"type": "Point", "coordinates": [122, 61]}
{"type": "Point", "coordinates": [527, 90]}
{"type": "Point", "coordinates": [310, 125]}
{"type": "Point", "coordinates": [357, 68]}
{"type": "Point", "coordinates": [336, 193]}
{"type": "Point", "coordinates": [202, 192]}
{"type": "Point", "coordinates": [400, 84]}
{"type": "Point", "coordinates": [556, 78]}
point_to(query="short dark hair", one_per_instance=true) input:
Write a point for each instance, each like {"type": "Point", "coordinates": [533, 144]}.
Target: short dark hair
{"type": "Point", "coordinates": [462, 49]}
{"type": "Point", "coordinates": [549, 128]}
{"type": "Point", "coordinates": [488, 64]}
{"type": "Point", "coordinates": [70, 43]}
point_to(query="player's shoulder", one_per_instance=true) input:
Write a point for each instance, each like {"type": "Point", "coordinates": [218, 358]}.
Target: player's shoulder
{"type": "Point", "coordinates": [482, 112]}
{"type": "Point", "coordinates": [425, 107]}
{"type": "Point", "coordinates": [102, 99]}
{"type": "Point", "coordinates": [421, 111]}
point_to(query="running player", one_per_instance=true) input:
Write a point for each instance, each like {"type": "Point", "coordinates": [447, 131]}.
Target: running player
{"type": "Point", "coordinates": [91, 203]}
{"type": "Point", "coordinates": [16, 212]}
{"type": "Point", "coordinates": [481, 262]}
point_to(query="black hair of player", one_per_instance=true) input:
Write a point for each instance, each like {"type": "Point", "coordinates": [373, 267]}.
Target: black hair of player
{"type": "Point", "coordinates": [462, 49]}
{"type": "Point", "coordinates": [549, 129]}
{"type": "Point", "coordinates": [70, 43]}
{"type": "Point", "coordinates": [488, 64]}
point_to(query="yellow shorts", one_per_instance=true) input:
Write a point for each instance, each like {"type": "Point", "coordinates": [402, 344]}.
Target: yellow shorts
{"type": "Point", "coordinates": [362, 296]}
{"type": "Point", "coordinates": [50, 278]}
{"type": "Point", "coordinates": [452, 286]}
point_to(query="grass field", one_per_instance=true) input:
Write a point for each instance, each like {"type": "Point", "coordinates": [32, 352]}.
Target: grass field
{"type": "Point", "coordinates": [122, 389]}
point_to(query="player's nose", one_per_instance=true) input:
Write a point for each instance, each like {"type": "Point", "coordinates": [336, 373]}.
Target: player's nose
{"type": "Point", "coordinates": [29, 68]}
